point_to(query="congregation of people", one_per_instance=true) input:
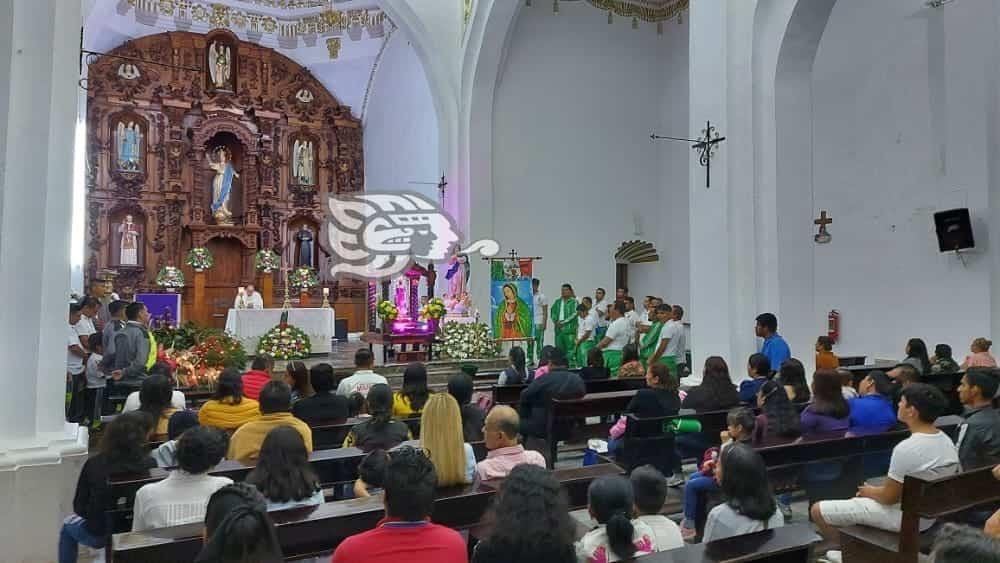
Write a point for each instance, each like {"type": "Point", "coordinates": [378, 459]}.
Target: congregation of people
{"type": "Point", "coordinates": [261, 418]}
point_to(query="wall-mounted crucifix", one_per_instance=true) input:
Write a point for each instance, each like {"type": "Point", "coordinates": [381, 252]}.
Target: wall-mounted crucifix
{"type": "Point", "coordinates": [823, 236]}
{"type": "Point", "coordinates": [440, 185]}
{"type": "Point", "coordinates": [706, 145]}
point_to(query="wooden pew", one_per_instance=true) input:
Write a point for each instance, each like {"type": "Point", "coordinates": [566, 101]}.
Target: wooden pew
{"type": "Point", "coordinates": [316, 530]}
{"type": "Point", "coordinates": [332, 466]}
{"type": "Point", "coordinates": [511, 394]}
{"type": "Point", "coordinates": [591, 404]}
{"type": "Point", "coordinates": [788, 544]}
{"type": "Point", "coordinates": [331, 434]}
{"type": "Point", "coordinates": [924, 496]}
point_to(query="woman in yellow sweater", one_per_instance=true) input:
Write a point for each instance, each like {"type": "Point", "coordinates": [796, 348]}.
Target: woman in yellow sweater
{"type": "Point", "coordinates": [229, 409]}
{"type": "Point", "coordinates": [409, 401]}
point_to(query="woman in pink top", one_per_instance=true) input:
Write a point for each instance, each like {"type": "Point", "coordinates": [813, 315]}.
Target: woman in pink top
{"type": "Point", "coordinates": [980, 356]}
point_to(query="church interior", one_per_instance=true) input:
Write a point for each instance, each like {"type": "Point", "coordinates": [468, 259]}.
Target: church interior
{"type": "Point", "coordinates": [828, 165]}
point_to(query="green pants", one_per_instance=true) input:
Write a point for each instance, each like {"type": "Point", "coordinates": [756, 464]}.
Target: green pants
{"type": "Point", "coordinates": [566, 341]}
{"type": "Point", "coordinates": [613, 361]}
{"type": "Point", "coordinates": [536, 343]}
{"type": "Point", "coordinates": [581, 352]}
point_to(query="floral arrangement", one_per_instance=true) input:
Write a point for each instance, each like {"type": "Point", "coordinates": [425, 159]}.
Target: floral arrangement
{"type": "Point", "coordinates": [267, 261]}
{"type": "Point", "coordinates": [387, 311]}
{"type": "Point", "coordinates": [199, 258]}
{"type": "Point", "coordinates": [303, 278]}
{"type": "Point", "coordinates": [211, 351]}
{"type": "Point", "coordinates": [463, 341]}
{"type": "Point", "coordinates": [170, 278]}
{"type": "Point", "coordinates": [434, 309]}
{"type": "Point", "coordinates": [183, 337]}
{"type": "Point", "coordinates": [285, 342]}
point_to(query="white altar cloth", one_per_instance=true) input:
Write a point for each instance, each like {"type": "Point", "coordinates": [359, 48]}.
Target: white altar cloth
{"type": "Point", "coordinates": [248, 325]}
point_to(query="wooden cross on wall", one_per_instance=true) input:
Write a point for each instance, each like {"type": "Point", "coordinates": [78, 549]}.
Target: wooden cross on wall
{"type": "Point", "coordinates": [823, 236]}
{"type": "Point", "coordinates": [706, 145]}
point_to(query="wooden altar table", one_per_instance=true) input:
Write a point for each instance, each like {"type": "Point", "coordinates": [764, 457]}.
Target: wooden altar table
{"type": "Point", "coordinates": [248, 325]}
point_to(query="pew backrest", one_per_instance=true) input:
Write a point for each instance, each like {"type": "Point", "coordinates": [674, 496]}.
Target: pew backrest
{"type": "Point", "coordinates": [788, 544]}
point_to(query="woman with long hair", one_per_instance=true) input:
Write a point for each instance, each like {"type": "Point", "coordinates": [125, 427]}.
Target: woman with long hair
{"type": "Point", "coordinates": [238, 529]}
{"type": "Point", "coordinates": [379, 430]}
{"type": "Point", "coordinates": [631, 366]}
{"type": "Point", "coordinates": [778, 417]}
{"type": "Point", "coordinates": [154, 400]}
{"type": "Point", "coordinates": [228, 409]}
{"type": "Point", "coordinates": [297, 377]}
{"type": "Point", "coordinates": [123, 450]}
{"type": "Point", "coordinates": [619, 535]}
{"type": "Point", "coordinates": [716, 391]}
{"type": "Point", "coordinates": [595, 366]}
{"type": "Point", "coordinates": [792, 376]}
{"type": "Point", "coordinates": [529, 520]}
{"type": "Point", "coordinates": [410, 400]}
{"type": "Point", "coordinates": [750, 506]}
{"type": "Point", "coordinates": [916, 355]}
{"type": "Point", "coordinates": [829, 411]}
{"type": "Point", "coordinates": [283, 474]}
{"type": "Point", "coordinates": [441, 435]}
{"type": "Point", "coordinates": [544, 358]}
{"type": "Point", "coordinates": [515, 373]}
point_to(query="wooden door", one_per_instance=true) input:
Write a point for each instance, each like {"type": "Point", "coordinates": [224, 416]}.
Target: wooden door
{"type": "Point", "coordinates": [621, 277]}
{"type": "Point", "coordinates": [223, 279]}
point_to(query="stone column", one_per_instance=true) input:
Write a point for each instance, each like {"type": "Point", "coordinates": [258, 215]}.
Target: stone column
{"type": "Point", "coordinates": [40, 453]}
{"type": "Point", "coordinates": [722, 216]}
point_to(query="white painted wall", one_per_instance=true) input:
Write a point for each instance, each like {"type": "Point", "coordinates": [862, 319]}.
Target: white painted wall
{"type": "Point", "coordinates": [401, 127]}
{"type": "Point", "coordinates": [574, 171]}
{"type": "Point", "coordinates": [903, 102]}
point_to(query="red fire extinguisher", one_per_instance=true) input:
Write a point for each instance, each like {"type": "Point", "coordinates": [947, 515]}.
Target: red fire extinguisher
{"type": "Point", "coordinates": [833, 325]}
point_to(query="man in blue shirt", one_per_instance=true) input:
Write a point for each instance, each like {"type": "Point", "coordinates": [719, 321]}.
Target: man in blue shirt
{"type": "Point", "coordinates": [775, 347]}
{"type": "Point", "coordinates": [873, 411]}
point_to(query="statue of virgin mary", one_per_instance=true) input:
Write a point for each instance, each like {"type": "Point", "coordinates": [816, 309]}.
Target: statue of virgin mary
{"type": "Point", "coordinates": [222, 186]}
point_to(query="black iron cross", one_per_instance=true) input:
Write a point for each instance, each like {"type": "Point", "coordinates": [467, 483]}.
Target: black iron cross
{"type": "Point", "coordinates": [706, 145]}
{"type": "Point", "coordinates": [440, 185]}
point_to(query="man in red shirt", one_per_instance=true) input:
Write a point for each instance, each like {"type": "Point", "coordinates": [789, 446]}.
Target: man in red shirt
{"type": "Point", "coordinates": [406, 533]}
{"type": "Point", "coordinates": [258, 376]}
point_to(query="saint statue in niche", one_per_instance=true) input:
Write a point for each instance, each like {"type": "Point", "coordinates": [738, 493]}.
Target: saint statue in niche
{"type": "Point", "coordinates": [304, 240]}
{"type": "Point", "coordinates": [128, 141]}
{"type": "Point", "coordinates": [222, 186]}
{"type": "Point", "coordinates": [302, 162]}
{"type": "Point", "coordinates": [220, 64]}
{"type": "Point", "coordinates": [128, 245]}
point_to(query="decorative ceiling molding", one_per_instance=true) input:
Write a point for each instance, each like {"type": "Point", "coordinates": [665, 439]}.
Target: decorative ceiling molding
{"type": "Point", "coordinates": [186, 12]}
{"type": "Point", "coordinates": [636, 252]}
{"type": "Point", "coordinates": [652, 11]}
{"type": "Point", "coordinates": [371, 75]}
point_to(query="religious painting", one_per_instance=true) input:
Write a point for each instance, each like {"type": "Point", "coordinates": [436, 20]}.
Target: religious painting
{"type": "Point", "coordinates": [512, 302]}
{"type": "Point", "coordinates": [220, 65]}
{"type": "Point", "coordinates": [127, 243]}
{"type": "Point", "coordinates": [220, 161]}
{"type": "Point", "coordinates": [164, 309]}
{"type": "Point", "coordinates": [303, 162]}
{"type": "Point", "coordinates": [129, 142]}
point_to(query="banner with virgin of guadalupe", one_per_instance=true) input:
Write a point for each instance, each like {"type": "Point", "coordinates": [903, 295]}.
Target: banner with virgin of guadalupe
{"type": "Point", "coordinates": [511, 300]}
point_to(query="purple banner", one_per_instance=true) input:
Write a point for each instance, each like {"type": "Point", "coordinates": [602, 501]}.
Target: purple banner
{"type": "Point", "coordinates": [164, 308]}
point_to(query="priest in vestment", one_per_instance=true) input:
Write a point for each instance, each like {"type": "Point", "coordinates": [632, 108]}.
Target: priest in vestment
{"type": "Point", "coordinates": [249, 299]}
{"type": "Point", "coordinates": [564, 317]}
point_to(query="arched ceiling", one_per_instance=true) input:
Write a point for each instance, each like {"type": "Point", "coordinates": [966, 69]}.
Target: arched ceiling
{"type": "Point", "coordinates": [337, 40]}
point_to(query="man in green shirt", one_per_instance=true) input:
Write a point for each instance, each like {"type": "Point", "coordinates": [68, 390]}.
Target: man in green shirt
{"type": "Point", "coordinates": [564, 317]}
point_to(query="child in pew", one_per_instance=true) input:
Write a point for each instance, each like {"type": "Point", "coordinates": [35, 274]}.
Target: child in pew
{"type": "Point", "coordinates": [97, 381]}
{"type": "Point", "coordinates": [180, 422]}
{"type": "Point", "coordinates": [122, 451]}
{"type": "Point", "coordinates": [740, 424]}
{"type": "Point", "coordinates": [356, 406]}
{"type": "Point", "coordinates": [237, 528]}
{"type": "Point", "coordinates": [759, 370]}
{"type": "Point", "coordinates": [750, 505]}
{"type": "Point", "coordinates": [847, 384]}
{"type": "Point", "coordinates": [283, 474]}
{"type": "Point", "coordinates": [379, 430]}
{"type": "Point", "coordinates": [962, 544]}
{"type": "Point", "coordinates": [650, 489]}
{"type": "Point", "coordinates": [371, 474]}
{"type": "Point", "coordinates": [927, 449]}
{"type": "Point", "coordinates": [619, 535]}
{"type": "Point", "coordinates": [980, 356]}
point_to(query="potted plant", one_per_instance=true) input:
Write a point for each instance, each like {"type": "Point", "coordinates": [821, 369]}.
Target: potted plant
{"type": "Point", "coordinates": [267, 261]}
{"type": "Point", "coordinates": [170, 278]}
{"type": "Point", "coordinates": [200, 259]}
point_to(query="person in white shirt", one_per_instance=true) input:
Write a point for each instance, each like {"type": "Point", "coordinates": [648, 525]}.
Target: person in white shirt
{"type": "Point", "coordinates": [249, 299]}
{"type": "Point", "coordinates": [76, 355]}
{"type": "Point", "coordinates": [926, 450]}
{"type": "Point", "coordinates": [181, 498]}
{"type": "Point", "coordinates": [671, 337]}
{"type": "Point", "coordinates": [601, 310]}
{"type": "Point", "coordinates": [584, 334]}
{"type": "Point", "coordinates": [650, 489]}
{"type": "Point", "coordinates": [364, 378]}
{"type": "Point", "coordinates": [541, 321]}
{"type": "Point", "coordinates": [615, 338]}
{"type": "Point", "coordinates": [680, 346]}
{"type": "Point", "coordinates": [632, 317]}
{"type": "Point", "coordinates": [85, 326]}
{"type": "Point", "coordinates": [619, 535]}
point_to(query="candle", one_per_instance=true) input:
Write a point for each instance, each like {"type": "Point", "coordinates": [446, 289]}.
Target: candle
{"type": "Point", "coordinates": [326, 292]}
{"type": "Point", "coordinates": [242, 290]}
